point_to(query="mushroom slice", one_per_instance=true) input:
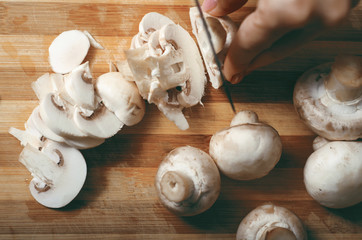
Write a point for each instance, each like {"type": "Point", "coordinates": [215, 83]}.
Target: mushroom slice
{"type": "Point", "coordinates": [102, 123]}
{"type": "Point", "coordinates": [270, 222]}
{"type": "Point", "coordinates": [168, 71]}
{"type": "Point", "coordinates": [26, 137]}
{"type": "Point", "coordinates": [151, 22]}
{"type": "Point", "coordinates": [328, 99]}
{"type": "Point", "coordinates": [79, 86]}
{"type": "Point", "coordinates": [42, 86]}
{"type": "Point", "coordinates": [333, 173]}
{"type": "Point", "coordinates": [68, 50]}
{"type": "Point", "coordinates": [121, 96]}
{"type": "Point", "coordinates": [187, 181]}
{"type": "Point", "coordinates": [58, 173]}
{"type": "Point", "coordinates": [58, 116]}
{"type": "Point", "coordinates": [246, 150]}
{"type": "Point", "coordinates": [222, 30]}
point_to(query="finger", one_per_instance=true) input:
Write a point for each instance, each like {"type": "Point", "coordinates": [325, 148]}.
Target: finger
{"type": "Point", "coordinates": [286, 45]}
{"type": "Point", "coordinates": [252, 38]}
{"type": "Point", "coordinates": [222, 7]}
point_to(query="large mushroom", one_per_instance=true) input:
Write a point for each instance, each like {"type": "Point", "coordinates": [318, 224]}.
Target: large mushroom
{"type": "Point", "coordinates": [333, 173]}
{"type": "Point", "coordinates": [222, 30]}
{"type": "Point", "coordinates": [168, 69]}
{"type": "Point", "coordinates": [187, 181]}
{"type": "Point", "coordinates": [271, 222]}
{"type": "Point", "coordinates": [248, 149]}
{"type": "Point", "coordinates": [328, 99]}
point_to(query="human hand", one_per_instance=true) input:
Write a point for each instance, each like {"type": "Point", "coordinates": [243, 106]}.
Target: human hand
{"type": "Point", "coordinates": [275, 29]}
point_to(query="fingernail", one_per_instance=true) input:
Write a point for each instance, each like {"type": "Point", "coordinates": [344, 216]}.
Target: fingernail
{"type": "Point", "coordinates": [236, 78]}
{"type": "Point", "coordinates": [208, 5]}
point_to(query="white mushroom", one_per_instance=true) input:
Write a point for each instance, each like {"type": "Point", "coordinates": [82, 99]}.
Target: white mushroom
{"type": "Point", "coordinates": [68, 50]}
{"type": "Point", "coordinates": [187, 181]}
{"type": "Point", "coordinates": [246, 150]}
{"type": "Point", "coordinates": [270, 222]}
{"type": "Point", "coordinates": [328, 99]}
{"type": "Point", "coordinates": [120, 95]}
{"type": "Point", "coordinates": [168, 70]}
{"type": "Point", "coordinates": [58, 173]}
{"type": "Point", "coordinates": [333, 173]}
{"type": "Point", "coordinates": [222, 30]}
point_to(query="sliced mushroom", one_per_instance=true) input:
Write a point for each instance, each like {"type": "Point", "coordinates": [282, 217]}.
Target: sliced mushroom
{"type": "Point", "coordinates": [42, 86]}
{"type": "Point", "coordinates": [168, 71]}
{"type": "Point", "coordinates": [121, 96]}
{"type": "Point", "coordinates": [68, 50]}
{"type": "Point", "coordinates": [187, 181]}
{"type": "Point", "coordinates": [246, 150]}
{"type": "Point", "coordinates": [58, 173]}
{"type": "Point", "coordinates": [79, 87]}
{"type": "Point", "coordinates": [102, 123]}
{"type": "Point", "coordinates": [333, 173]}
{"type": "Point", "coordinates": [222, 30]}
{"type": "Point", "coordinates": [328, 99]}
{"type": "Point", "coordinates": [271, 222]}
{"type": "Point", "coordinates": [26, 137]}
{"type": "Point", "coordinates": [58, 116]}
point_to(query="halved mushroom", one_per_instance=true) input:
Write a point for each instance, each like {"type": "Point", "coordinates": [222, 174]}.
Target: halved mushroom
{"type": "Point", "coordinates": [58, 173]}
{"type": "Point", "coordinates": [222, 30]}
{"type": "Point", "coordinates": [121, 96]}
{"type": "Point", "coordinates": [333, 173]}
{"type": "Point", "coordinates": [187, 181]}
{"type": "Point", "coordinates": [168, 71]}
{"type": "Point", "coordinates": [328, 99]}
{"type": "Point", "coordinates": [271, 222]}
{"type": "Point", "coordinates": [248, 149]}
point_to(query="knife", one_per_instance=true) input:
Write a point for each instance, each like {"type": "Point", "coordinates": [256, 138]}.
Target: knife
{"type": "Point", "coordinates": [218, 63]}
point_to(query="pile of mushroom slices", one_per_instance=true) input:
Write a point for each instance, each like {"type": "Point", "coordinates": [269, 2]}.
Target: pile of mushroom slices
{"type": "Point", "coordinates": [328, 99]}
{"type": "Point", "coordinates": [74, 112]}
{"type": "Point", "coordinates": [167, 66]}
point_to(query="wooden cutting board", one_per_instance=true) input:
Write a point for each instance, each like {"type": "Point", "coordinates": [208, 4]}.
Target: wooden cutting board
{"type": "Point", "coordinates": [118, 200]}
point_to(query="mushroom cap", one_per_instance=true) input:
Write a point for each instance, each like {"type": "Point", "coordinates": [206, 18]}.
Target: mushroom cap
{"type": "Point", "coordinates": [246, 151]}
{"type": "Point", "coordinates": [222, 30]}
{"type": "Point", "coordinates": [333, 174]}
{"type": "Point", "coordinates": [324, 116]}
{"type": "Point", "coordinates": [59, 169]}
{"type": "Point", "coordinates": [121, 96]}
{"type": "Point", "coordinates": [197, 167]}
{"type": "Point", "coordinates": [68, 50]}
{"type": "Point", "coordinates": [264, 219]}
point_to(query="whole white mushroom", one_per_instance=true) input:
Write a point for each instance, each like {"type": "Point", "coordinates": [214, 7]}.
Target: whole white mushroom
{"type": "Point", "coordinates": [248, 149]}
{"type": "Point", "coordinates": [333, 173]}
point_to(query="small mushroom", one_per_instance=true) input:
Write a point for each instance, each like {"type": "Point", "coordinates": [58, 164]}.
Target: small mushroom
{"type": "Point", "coordinates": [248, 149]}
{"type": "Point", "coordinates": [58, 173]}
{"type": "Point", "coordinates": [168, 70]}
{"type": "Point", "coordinates": [187, 181]}
{"type": "Point", "coordinates": [222, 30]}
{"type": "Point", "coordinates": [271, 222]}
{"type": "Point", "coordinates": [333, 173]}
{"type": "Point", "coordinates": [328, 99]}
{"type": "Point", "coordinates": [120, 95]}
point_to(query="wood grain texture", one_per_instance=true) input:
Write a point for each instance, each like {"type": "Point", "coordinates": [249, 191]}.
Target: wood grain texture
{"type": "Point", "coordinates": [118, 200]}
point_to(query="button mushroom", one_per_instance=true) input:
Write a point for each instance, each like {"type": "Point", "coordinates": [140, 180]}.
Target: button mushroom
{"type": "Point", "coordinates": [187, 181]}
{"type": "Point", "coordinates": [248, 149]}
{"type": "Point", "coordinates": [222, 30]}
{"type": "Point", "coordinates": [271, 222]}
{"type": "Point", "coordinates": [58, 173]}
{"type": "Point", "coordinates": [168, 69]}
{"type": "Point", "coordinates": [328, 99]}
{"type": "Point", "coordinates": [333, 173]}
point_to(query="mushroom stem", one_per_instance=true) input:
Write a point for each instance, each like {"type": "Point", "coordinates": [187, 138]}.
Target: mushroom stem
{"type": "Point", "coordinates": [176, 187]}
{"type": "Point", "coordinates": [344, 82]}
{"type": "Point", "coordinates": [280, 233]}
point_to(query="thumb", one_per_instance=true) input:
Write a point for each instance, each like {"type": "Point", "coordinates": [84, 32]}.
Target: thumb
{"type": "Point", "coordinates": [222, 7]}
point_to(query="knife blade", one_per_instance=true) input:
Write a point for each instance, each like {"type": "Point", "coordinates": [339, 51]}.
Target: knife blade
{"type": "Point", "coordinates": [217, 61]}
